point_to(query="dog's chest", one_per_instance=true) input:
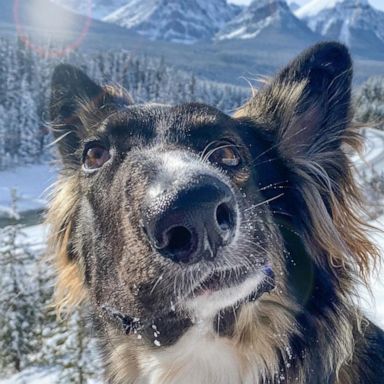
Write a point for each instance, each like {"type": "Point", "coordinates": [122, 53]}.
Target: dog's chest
{"type": "Point", "coordinates": [196, 358]}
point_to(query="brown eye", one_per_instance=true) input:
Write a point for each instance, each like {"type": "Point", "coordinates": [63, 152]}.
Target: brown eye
{"type": "Point", "coordinates": [226, 155]}
{"type": "Point", "coordinates": [95, 157]}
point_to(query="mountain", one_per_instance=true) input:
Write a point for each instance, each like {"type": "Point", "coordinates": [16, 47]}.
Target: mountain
{"type": "Point", "coordinates": [266, 17]}
{"type": "Point", "coordinates": [97, 9]}
{"type": "Point", "coordinates": [293, 6]}
{"type": "Point", "coordinates": [354, 22]}
{"type": "Point", "coordinates": [182, 21]}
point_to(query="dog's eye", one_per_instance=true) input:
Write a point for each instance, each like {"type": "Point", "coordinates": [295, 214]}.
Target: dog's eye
{"type": "Point", "coordinates": [226, 155]}
{"type": "Point", "coordinates": [95, 156]}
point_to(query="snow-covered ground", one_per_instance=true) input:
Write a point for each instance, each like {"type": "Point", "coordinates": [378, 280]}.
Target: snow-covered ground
{"type": "Point", "coordinates": [373, 304]}
{"type": "Point", "coordinates": [41, 375]}
{"type": "Point", "coordinates": [373, 155]}
{"type": "Point", "coordinates": [30, 184]}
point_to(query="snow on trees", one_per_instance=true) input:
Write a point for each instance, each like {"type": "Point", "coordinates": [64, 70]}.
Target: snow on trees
{"type": "Point", "coordinates": [18, 313]}
{"type": "Point", "coordinates": [31, 334]}
{"type": "Point", "coordinates": [369, 102]}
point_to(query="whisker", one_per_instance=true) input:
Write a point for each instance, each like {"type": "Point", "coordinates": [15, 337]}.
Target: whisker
{"type": "Point", "coordinates": [273, 185]}
{"type": "Point", "coordinates": [264, 202]}
{"type": "Point", "coordinates": [249, 241]}
{"type": "Point", "coordinates": [253, 164]}
{"type": "Point", "coordinates": [271, 148]}
{"type": "Point", "coordinates": [53, 143]}
{"type": "Point", "coordinates": [156, 283]}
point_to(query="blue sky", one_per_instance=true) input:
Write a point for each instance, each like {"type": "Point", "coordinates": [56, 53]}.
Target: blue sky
{"type": "Point", "coordinates": [377, 3]}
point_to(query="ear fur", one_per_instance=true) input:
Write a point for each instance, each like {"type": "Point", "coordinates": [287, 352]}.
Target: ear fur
{"type": "Point", "coordinates": [73, 96]}
{"type": "Point", "coordinates": [306, 107]}
{"type": "Point", "coordinates": [306, 113]}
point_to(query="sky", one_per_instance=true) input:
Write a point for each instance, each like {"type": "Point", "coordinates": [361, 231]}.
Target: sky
{"type": "Point", "coordinates": [376, 3]}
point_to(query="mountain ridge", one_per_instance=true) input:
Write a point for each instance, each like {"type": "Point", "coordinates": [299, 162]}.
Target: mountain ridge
{"type": "Point", "coordinates": [261, 15]}
{"type": "Point", "coordinates": [354, 22]}
{"type": "Point", "coordinates": [182, 21]}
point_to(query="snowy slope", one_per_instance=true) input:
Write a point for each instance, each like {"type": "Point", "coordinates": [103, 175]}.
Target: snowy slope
{"type": "Point", "coordinates": [40, 375]}
{"type": "Point", "coordinates": [372, 162]}
{"type": "Point", "coordinates": [293, 6]}
{"type": "Point", "coordinates": [43, 375]}
{"type": "Point", "coordinates": [264, 16]}
{"type": "Point", "coordinates": [373, 304]}
{"type": "Point", "coordinates": [372, 158]}
{"type": "Point", "coordinates": [354, 22]}
{"type": "Point", "coordinates": [30, 183]}
{"type": "Point", "coordinates": [184, 21]}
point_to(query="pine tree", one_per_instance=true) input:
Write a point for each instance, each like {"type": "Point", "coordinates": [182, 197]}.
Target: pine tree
{"type": "Point", "coordinates": [78, 352]}
{"type": "Point", "coordinates": [369, 102]}
{"type": "Point", "coordinates": [29, 134]}
{"type": "Point", "coordinates": [3, 128]}
{"type": "Point", "coordinates": [16, 299]}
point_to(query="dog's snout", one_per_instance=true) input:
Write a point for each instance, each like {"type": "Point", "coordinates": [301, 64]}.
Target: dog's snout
{"type": "Point", "coordinates": [193, 222]}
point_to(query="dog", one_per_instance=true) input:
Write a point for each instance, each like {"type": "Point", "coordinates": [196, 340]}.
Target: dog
{"type": "Point", "coordinates": [215, 248]}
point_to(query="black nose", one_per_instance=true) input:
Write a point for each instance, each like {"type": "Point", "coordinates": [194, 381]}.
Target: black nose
{"type": "Point", "coordinates": [193, 222]}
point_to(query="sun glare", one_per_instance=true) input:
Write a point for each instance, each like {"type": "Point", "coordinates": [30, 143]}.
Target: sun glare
{"type": "Point", "coordinates": [41, 26]}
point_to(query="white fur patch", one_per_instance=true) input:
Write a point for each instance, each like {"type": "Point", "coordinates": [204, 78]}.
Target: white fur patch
{"type": "Point", "coordinates": [206, 306]}
{"type": "Point", "coordinates": [197, 358]}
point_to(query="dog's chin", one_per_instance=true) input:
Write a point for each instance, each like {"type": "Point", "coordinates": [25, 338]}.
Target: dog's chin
{"type": "Point", "coordinates": [224, 289]}
{"type": "Point", "coordinates": [217, 292]}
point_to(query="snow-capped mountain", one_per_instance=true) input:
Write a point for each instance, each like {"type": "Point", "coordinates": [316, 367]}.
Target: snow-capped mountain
{"type": "Point", "coordinates": [96, 9]}
{"type": "Point", "coordinates": [354, 22]}
{"type": "Point", "coordinates": [183, 21]}
{"type": "Point", "coordinates": [261, 16]}
{"type": "Point", "coordinates": [293, 6]}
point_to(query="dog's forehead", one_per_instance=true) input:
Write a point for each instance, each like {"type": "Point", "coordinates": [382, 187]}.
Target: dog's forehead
{"type": "Point", "coordinates": [157, 120]}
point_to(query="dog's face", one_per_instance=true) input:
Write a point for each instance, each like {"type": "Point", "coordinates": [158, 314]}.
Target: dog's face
{"type": "Point", "coordinates": [172, 220]}
{"type": "Point", "coordinates": [177, 211]}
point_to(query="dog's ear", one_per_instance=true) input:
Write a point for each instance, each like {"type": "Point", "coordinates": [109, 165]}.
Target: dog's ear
{"type": "Point", "coordinates": [306, 114]}
{"type": "Point", "coordinates": [73, 96]}
{"type": "Point", "coordinates": [306, 108]}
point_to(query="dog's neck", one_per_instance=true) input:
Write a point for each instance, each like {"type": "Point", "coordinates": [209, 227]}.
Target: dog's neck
{"type": "Point", "coordinates": [202, 355]}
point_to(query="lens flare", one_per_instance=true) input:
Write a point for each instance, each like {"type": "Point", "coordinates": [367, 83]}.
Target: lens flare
{"type": "Point", "coordinates": [44, 30]}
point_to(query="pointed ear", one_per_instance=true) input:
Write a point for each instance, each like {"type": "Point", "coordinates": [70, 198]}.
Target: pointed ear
{"type": "Point", "coordinates": [72, 94]}
{"type": "Point", "coordinates": [305, 111]}
{"type": "Point", "coordinates": [306, 108]}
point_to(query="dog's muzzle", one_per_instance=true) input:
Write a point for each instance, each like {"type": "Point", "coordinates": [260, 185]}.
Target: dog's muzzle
{"type": "Point", "coordinates": [193, 222]}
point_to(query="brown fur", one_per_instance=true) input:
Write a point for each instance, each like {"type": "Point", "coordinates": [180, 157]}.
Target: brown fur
{"type": "Point", "coordinates": [69, 291]}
